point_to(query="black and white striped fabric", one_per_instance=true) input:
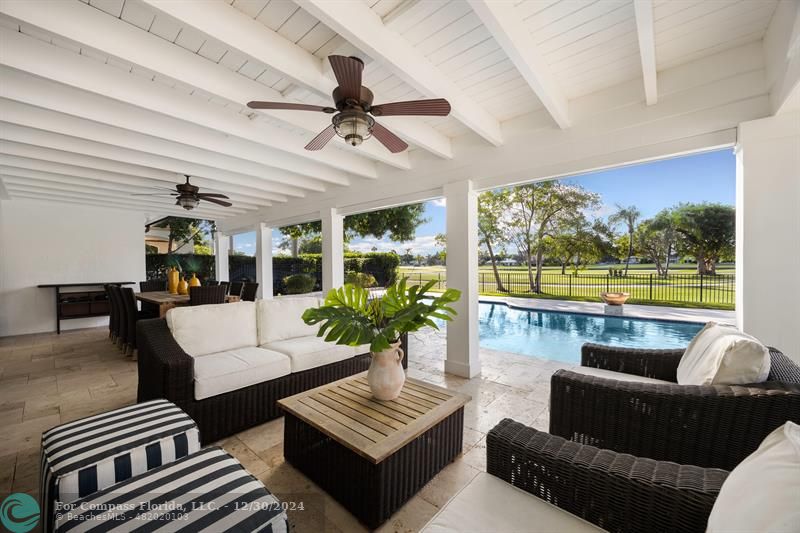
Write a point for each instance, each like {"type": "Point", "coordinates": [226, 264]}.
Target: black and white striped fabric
{"type": "Point", "coordinates": [206, 491]}
{"type": "Point", "coordinates": [81, 457]}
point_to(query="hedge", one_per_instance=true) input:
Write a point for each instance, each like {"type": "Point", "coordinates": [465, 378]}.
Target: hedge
{"type": "Point", "coordinates": [383, 266]}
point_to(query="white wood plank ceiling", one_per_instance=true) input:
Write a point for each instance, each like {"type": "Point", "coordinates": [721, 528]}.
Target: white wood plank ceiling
{"type": "Point", "coordinates": [104, 99]}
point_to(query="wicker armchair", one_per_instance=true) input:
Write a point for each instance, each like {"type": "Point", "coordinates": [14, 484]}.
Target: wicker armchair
{"type": "Point", "coordinates": [206, 295]}
{"type": "Point", "coordinates": [710, 426]}
{"type": "Point", "coordinates": [235, 288]}
{"type": "Point", "coordinates": [617, 492]}
{"type": "Point", "coordinates": [153, 285]}
{"type": "Point", "coordinates": [249, 292]}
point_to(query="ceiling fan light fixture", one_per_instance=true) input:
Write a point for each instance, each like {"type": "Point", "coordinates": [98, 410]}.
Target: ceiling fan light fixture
{"type": "Point", "coordinates": [188, 202]}
{"type": "Point", "coordinates": [353, 126]}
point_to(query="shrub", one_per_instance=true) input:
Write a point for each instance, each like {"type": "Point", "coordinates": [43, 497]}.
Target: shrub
{"type": "Point", "coordinates": [299, 283]}
{"type": "Point", "coordinates": [360, 279]}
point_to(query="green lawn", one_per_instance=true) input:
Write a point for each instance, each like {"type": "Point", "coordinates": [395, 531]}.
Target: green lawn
{"type": "Point", "coordinates": [683, 288]}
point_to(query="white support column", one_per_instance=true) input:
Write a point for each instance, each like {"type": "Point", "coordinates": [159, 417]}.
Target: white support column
{"type": "Point", "coordinates": [264, 260]}
{"type": "Point", "coordinates": [332, 249]}
{"type": "Point", "coordinates": [462, 274]}
{"type": "Point", "coordinates": [221, 253]}
{"type": "Point", "coordinates": [767, 230]}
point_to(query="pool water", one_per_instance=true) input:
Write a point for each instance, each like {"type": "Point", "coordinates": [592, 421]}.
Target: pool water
{"type": "Point", "coordinates": [559, 336]}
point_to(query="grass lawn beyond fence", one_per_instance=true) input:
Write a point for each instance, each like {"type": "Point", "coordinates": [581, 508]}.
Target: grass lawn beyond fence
{"type": "Point", "coordinates": [682, 288]}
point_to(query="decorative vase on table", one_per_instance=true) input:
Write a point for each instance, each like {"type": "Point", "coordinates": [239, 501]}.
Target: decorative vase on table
{"type": "Point", "coordinates": [172, 280]}
{"type": "Point", "coordinates": [353, 316]}
{"type": "Point", "coordinates": [194, 282]}
{"type": "Point", "coordinates": [386, 376]}
{"type": "Point", "coordinates": [183, 287]}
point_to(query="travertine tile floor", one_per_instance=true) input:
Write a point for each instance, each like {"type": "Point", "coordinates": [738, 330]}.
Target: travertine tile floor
{"type": "Point", "coordinates": [49, 379]}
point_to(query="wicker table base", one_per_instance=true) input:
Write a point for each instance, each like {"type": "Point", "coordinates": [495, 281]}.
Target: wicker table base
{"type": "Point", "coordinates": [372, 492]}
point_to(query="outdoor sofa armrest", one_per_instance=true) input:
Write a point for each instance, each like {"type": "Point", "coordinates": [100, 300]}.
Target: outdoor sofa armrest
{"type": "Point", "coordinates": [713, 426]}
{"type": "Point", "coordinates": [617, 492]}
{"type": "Point", "coordinates": [165, 370]}
{"type": "Point", "coordinates": [656, 364]}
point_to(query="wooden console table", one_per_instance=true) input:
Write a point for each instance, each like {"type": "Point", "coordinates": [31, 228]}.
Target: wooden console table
{"type": "Point", "coordinates": [80, 304]}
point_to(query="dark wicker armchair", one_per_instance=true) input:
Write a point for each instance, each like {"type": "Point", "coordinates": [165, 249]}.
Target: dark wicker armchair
{"type": "Point", "coordinates": [206, 295]}
{"type": "Point", "coordinates": [617, 492]}
{"type": "Point", "coordinates": [249, 292]}
{"type": "Point", "coordinates": [711, 426]}
{"type": "Point", "coordinates": [235, 288]}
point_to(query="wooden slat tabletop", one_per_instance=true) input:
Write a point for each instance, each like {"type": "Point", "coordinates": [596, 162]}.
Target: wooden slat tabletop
{"type": "Point", "coordinates": [346, 411]}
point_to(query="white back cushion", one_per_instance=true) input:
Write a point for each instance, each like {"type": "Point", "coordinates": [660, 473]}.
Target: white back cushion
{"type": "Point", "coordinates": [763, 492]}
{"type": "Point", "coordinates": [721, 355]}
{"type": "Point", "coordinates": [205, 329]}
{"type": "Point", "coordinates": [282, 318]}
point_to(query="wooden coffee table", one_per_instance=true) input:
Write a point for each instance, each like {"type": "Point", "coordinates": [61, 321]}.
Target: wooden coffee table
{"type": "Point", "coordinates": [371, 455]}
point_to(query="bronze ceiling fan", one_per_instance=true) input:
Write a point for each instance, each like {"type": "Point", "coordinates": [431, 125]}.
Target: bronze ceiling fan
{"type": "Point", "coordinates": [353, 107]}
{"type": "Point", "coordinates": [188, 195]}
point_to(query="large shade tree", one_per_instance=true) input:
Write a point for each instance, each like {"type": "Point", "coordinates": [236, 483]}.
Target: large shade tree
{"type": "Point", "coordinates": [399, 223]}
{"type": "Point", "coordinates": [186, 231]}
{"type": "Point", "coordinates": [491, 207]}
{"type": "Point", "coordinates": [536, 211]}
{"type": "Point", "coordinates": [627, 217]}
{"type": "Point", "coordinates": [706, 231]}
{"type": "Point", "coordinates": [656, 238]}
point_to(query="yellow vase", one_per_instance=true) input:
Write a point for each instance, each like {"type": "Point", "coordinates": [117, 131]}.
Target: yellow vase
{"type": "Point", "coordinates": [183, 287]}
{"type": "Point", "coordinates": [172, 280]}
{"type": "Point", "coordinates": [194, 282]}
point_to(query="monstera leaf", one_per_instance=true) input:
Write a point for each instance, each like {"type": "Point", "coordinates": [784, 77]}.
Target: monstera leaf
{"type": "Point", "coordinates": [349, 316]}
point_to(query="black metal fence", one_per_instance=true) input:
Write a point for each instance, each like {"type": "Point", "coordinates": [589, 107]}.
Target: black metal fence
{"type": "Point", "coordinates": [719, 289]}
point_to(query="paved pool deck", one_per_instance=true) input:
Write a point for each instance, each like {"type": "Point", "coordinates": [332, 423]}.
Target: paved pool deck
{"type": "Point", "coordinates": [654, 312]}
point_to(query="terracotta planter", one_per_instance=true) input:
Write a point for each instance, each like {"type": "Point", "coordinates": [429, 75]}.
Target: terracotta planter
{"type": "Point", "coordinates": [614, 298]}
{"type": "Point", "coordinates": [386, 376]}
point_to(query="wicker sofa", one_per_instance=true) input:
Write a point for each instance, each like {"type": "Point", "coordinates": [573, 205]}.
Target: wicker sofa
{"type": "Point", "coordinates": [628, 400]}
{"type": "Point", "coordinates": [227, 365]}
{"type": "Point", "coordinates": [539, 482]}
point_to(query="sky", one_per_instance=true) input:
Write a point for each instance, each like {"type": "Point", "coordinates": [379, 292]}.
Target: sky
{"type": "Point", "coordinates": [651, 187]}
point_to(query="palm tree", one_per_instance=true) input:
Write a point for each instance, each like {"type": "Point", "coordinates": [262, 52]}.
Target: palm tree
{"type": "Point", "coordinates": [627, 216]}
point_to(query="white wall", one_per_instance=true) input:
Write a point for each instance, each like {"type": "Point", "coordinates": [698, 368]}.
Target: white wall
{"type": "Point", "coordinates": [768, 231]}
{"type": "Point", "coordinates": [44, 242]}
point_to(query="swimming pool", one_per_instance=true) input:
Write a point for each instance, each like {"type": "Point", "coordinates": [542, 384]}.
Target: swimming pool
{"type": "Point", "coordinates": [559, 336]}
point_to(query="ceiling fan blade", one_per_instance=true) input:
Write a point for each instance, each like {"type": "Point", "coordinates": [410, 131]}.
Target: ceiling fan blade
{"type": "Point", "coordinates": [155, 194]}
{"type": "Point", "coordinates": [322, 138]}
{"type": "Point", "coordinates": [288, 105]}
{"type": "Point", "coordinates": [348, 72]}
{"type": "Point", "coordinates": [391, 141]}
{"type": "Point", "coordinates": [215, 201]}
{"type": "Point", "coordinates": [438, 107]}
{"type": "Point", "coordinates": [211, 195]}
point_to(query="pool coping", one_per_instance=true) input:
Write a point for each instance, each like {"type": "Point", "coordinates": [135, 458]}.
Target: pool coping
{"type": "Point", "coordinates": [647, 312]}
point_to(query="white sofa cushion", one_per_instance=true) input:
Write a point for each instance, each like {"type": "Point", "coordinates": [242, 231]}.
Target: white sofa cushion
{"type": "Point", "coordinates": [763, 492]}
{"type": "Point", "coordinates": [282, 318]}
{"type": "Point", "coordinates": [205, 329]}
{"type": "Point", "coordinates": [312, 351]}
{"type": "Point", "coordinates": [721, 355]}
{"type": "Point", "coordinates": [488, 505]}
{"type": "Point", "coordinates": [217, 373]}
{"type": "Point", "coordinates": [619, 376]}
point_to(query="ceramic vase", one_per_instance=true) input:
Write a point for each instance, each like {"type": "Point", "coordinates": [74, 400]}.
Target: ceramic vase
{"type": "Point", "coordinates": [183, 286]}
{"type": "Point", "coordinates": [194, 282]}
{"type": "Point", "coordinates": [386, 376]}
{"type": "Point", "coordinates": [172, 280]}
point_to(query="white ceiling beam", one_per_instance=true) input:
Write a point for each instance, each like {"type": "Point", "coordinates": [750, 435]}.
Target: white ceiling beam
{"type": "Point", "coordinates": [67, 143]}
{"type": "Point", "coordinates": [508, 29]}
{"type": "Point", "coordinates": [356, 22]}
{"type": "Point", "coordinates": [22, 87]}
{"type": "Point", "coordinates": [228, 25]}
{"type": "Point", "coordinates": [150, 213]}
{"type": "Point", "coordinates": [647, 48]}
{"type": "Point", "coordinates": [46, 191]}
{"type": "Point", "coordinates": [40, 155]}
{"type": "Point", "coordinates": [92, 27]}
{"type": "Point", "coordinates": [108, 180]}
{"type": "Point", "coordinates": [266, 142]}
{"type": "Point", "coordinates": [50, 121]}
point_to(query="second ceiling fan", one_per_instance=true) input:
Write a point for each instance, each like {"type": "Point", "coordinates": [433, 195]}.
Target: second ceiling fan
{"type": "Point", "coordinates": [353, 112]}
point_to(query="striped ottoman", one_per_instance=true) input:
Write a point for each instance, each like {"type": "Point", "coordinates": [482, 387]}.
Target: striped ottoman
{"type": "Point", "coordinates": [81, 457]}
{"type": "Point", "coordinates": [206, 491]}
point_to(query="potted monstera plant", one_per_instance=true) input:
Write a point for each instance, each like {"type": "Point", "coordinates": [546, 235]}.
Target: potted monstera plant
{"type": "Point", "coordinates": [351, 316]}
